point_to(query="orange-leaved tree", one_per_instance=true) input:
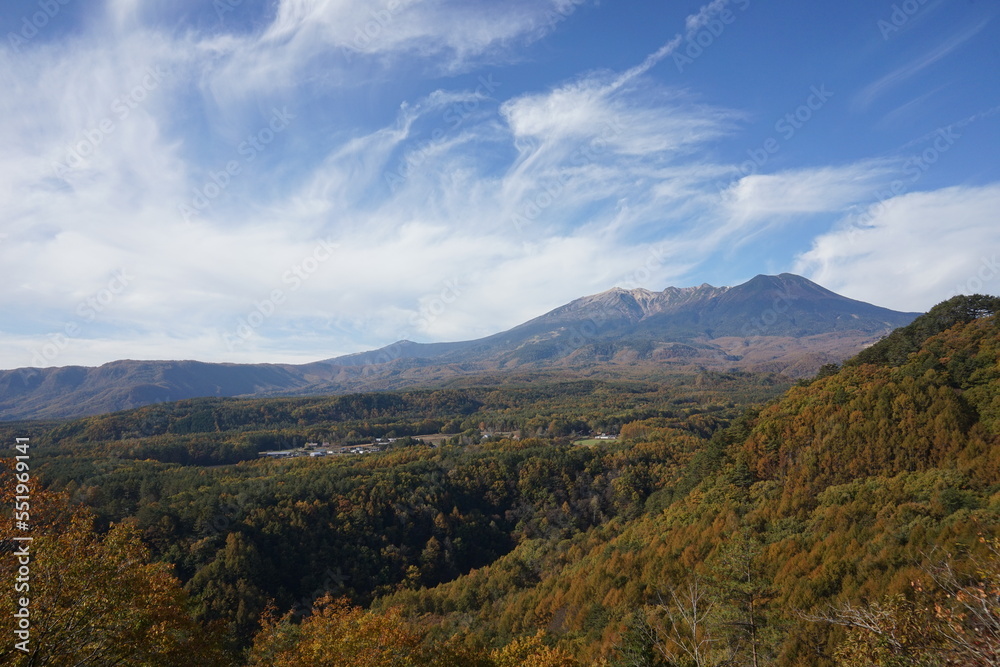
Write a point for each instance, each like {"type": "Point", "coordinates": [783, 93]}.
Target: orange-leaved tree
{"type": "Point", "coordinates": [91, 599]}
{"type": "Point", "coordinates": [340, 634]}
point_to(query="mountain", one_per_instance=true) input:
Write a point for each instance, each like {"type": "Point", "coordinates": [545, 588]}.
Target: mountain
{"type": "Point", "coordinates": [780, 324]}
{"type": "Point", "coordinates": [853, 501]}
{"type": "Point", "coordinates": [859, 505]}
{"type": "Point", "coordinates": [783, 323]}
{"type": "Point", "coordinates": [78, 390]}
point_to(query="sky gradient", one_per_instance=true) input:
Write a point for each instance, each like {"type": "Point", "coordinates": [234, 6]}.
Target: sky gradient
{"type": "Point", "coordinates": [293, 180]}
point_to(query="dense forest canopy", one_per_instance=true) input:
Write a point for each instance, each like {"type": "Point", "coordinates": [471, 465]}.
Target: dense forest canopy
{"type": "Point", "coordinates": [852, 520]}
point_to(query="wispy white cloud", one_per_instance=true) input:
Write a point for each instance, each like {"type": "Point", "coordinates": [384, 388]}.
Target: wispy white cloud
{"type": "Point", "coordinates": [801, 192]}
{"type": "Point", "coordinates": [472, 209]}
{"type": "Point", "coordinates": [872, 91]}
{"type": "Point", "coordinates": [447, 216]}
{"type": "Point", "coordinates": [914, 250]}
{"type": "Point", "coordinates": [332, 41]}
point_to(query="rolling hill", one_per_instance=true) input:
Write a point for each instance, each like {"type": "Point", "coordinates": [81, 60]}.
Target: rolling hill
{"type": "Point", "coordinates": [775, 324]}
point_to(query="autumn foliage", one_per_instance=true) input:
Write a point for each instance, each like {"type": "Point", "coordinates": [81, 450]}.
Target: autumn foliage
{"type": "Point", "coordinates": [96, 599]}
{"type": "Point", "coordinates": [852, 521]}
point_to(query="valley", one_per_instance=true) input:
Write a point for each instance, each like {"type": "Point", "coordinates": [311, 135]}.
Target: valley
{"type": "Point", "coordinates": [514, 533]}
{"type": "Point", "coordinates": [462, 333]}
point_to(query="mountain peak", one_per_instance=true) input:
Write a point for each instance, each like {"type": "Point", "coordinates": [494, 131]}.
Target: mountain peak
{"type": "Point", "coordinates": [774, 323]}
{"type": "Point", "coordinates": [639, 303]}
{"type": "Point", "coordinates": [789, 285]}
{"type": "Point", "coordinates": [633, 304]}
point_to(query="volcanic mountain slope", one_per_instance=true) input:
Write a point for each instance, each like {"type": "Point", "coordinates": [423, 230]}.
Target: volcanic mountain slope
{"type": "Point", "coordinates": [769, 323]}
{"type": "Point", "coordinates": [784, 324]}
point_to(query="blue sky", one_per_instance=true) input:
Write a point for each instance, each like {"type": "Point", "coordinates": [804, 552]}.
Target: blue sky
{"type": "Point", "coordinates": [292, 180]}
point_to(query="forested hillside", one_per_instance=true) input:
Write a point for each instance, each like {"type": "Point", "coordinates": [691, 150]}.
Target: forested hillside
{"type": "Point", "coordinates": [853, 520]}
{"type": "Point", "coordinates": [828, 525]}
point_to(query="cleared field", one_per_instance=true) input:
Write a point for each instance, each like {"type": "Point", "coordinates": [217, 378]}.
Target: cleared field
{"type": "Point", "coordinates": [590, 442]}
{"type": "Point", "coordinates": [434, 438]}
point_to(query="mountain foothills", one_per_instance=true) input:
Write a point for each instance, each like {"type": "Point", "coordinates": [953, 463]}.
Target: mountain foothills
{"type": "Point", "coordinates": [851, 519]}
{"type": "Point", "coordinates": [771, 324]}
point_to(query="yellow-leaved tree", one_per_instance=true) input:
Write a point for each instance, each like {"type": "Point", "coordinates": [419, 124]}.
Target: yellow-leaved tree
{"type": "Point", "coordinates": [92, 599]}
{"type": "Point", "coordinates": [532, 652]}
{"type": "Point", "coordinates": [339, 634]}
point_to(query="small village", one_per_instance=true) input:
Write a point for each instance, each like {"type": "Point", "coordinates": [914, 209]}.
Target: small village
{"type": "Point", "coordinates": [321, 449]}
